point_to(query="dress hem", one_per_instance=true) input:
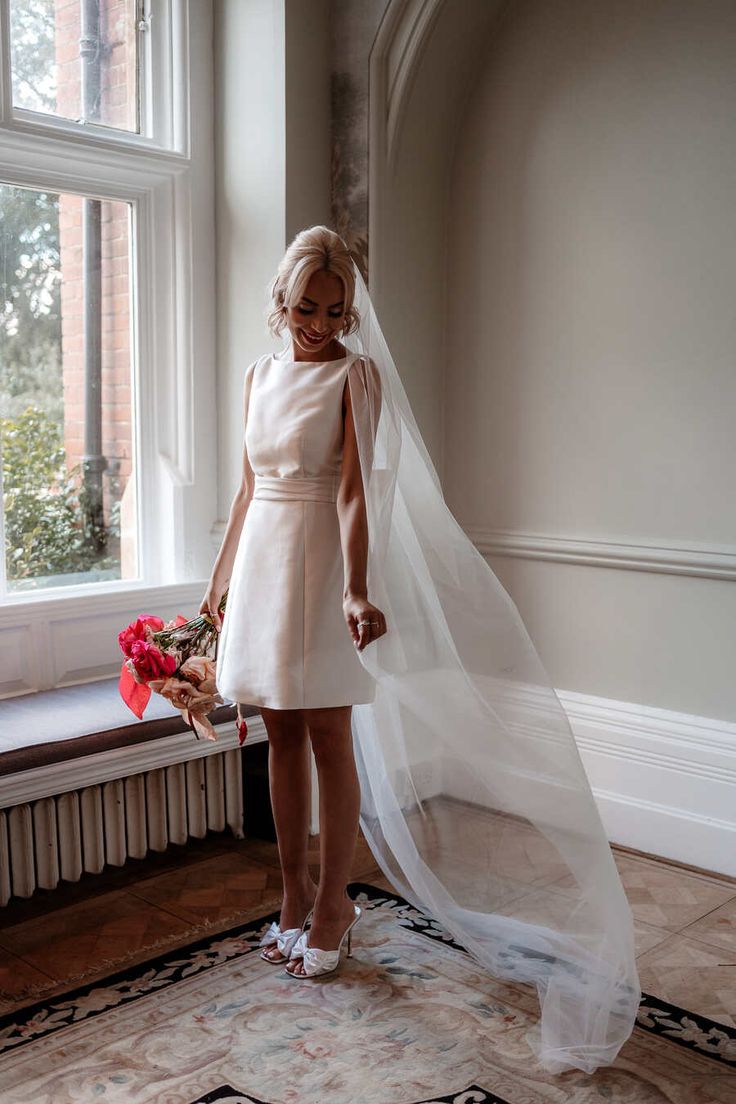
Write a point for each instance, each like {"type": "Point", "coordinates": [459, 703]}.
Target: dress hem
{"type": "Point", "coordinates": [270, 703]}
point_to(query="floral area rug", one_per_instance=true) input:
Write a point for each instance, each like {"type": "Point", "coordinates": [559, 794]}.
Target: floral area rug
{"type": "Point", "coordinates": [409, 1019]}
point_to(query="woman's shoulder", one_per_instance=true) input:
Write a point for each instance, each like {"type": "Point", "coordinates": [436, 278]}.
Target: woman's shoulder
{"type": "Point", "coordinates": [364, 365]}
{"type": "Point", "coordinates": [364, 379]}
{"type": "Point", "coordinates": [263, 359]}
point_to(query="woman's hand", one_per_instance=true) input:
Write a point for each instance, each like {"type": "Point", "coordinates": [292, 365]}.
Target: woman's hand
{"type": "Point", "coordinates": [358, 609]}
{"type": "Point", "coordinates": [210, 604]}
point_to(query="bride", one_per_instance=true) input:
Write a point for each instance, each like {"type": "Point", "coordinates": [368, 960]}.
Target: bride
{"type": "Point", "coordinates": [457, 753]}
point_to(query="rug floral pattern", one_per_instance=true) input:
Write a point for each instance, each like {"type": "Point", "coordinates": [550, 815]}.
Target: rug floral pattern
{"type": "Point", "coordinates": [409, 1018]}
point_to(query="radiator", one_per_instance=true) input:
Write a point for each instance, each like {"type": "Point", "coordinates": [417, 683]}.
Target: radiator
{"type": "Point", "coordinates": [60, 837]}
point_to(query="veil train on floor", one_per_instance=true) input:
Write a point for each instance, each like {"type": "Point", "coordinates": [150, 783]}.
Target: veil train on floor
{"type": "Point", "coordinates": [475, 801]}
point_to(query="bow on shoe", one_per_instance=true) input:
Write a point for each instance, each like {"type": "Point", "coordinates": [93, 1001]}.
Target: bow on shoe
{"type": "Point", "coordinates": [314, 959]}
{"type": "Point", "coordinates": [285, 940]}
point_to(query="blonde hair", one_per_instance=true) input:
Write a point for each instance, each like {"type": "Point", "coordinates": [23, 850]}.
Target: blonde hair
{"type": "Point", "coordinates": [316, 249]}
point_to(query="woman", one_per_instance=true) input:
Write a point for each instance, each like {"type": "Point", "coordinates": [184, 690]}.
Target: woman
{"type": "Point", "coordinates": [289, 647]}
{"type": "Point", "coordinates": [473, 797]}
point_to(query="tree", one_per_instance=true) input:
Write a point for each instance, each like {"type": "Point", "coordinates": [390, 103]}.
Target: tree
{"type": "Point", "coordinates": [46, 526]}
{"type": "Point", "coordinates": [30, 324]}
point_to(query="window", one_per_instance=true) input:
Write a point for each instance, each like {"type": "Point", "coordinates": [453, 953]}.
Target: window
{"type": "Point", "coordinates": [108, 68]}
{"type": "Point", "coordinates": [68, 463]}
{"type": "Point", "coordinates": [77, 60]}
{"type": "Point", "coordinates": [106, 326]}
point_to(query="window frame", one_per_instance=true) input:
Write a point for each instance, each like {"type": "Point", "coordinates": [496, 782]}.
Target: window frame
{"type": "Point", "coordinates": [65, 635]}
{"type": "Point", "coordinates": [162, 59]}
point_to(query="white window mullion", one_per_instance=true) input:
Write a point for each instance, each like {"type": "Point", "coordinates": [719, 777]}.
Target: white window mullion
{"type": "Point", "coordinates": [6, 99]}
{"type": "Point", "coordinates": [3, 570]}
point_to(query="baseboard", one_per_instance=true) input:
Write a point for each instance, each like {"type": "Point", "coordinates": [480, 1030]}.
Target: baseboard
{"type": "Point", "coordinates": [664, 782]}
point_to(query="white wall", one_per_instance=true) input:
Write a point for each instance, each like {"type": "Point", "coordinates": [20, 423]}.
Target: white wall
{"type": "Point", "coordinates": [272, 169]}
{"type": "Point", "coordinates": [590, 389]}
{"type": "Point", "coordinates": [250, 175]}
{"type": "Point", "coordinates": [308, 125]}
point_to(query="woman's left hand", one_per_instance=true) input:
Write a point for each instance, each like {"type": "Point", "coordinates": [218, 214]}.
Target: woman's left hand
{"type": "Point", "coordinates": [360, 609]}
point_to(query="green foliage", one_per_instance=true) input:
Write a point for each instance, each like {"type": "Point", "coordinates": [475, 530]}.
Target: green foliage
{"type": "Point", "coordinates": [30, 321]}
{"type": "Point", "coordinates": [47, 528]}
{"type": "Point", "coordinates": [32, 27]}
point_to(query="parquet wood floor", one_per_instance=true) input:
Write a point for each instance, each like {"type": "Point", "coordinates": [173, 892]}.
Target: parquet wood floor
{"type": "Point", "coordinates": [84, 931]}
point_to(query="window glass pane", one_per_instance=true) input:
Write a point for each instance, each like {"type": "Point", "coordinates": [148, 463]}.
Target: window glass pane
{"type": "Point", "coordinates": [76, 59]}
{"type": "Point", "coordinates": [66, 412]}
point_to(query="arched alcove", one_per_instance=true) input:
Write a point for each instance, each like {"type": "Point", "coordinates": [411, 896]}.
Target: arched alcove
{"type": "Point", "coordinates": [424, 63]}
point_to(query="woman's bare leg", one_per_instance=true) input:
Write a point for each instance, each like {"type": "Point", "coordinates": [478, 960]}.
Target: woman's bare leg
{"type": "Point", "coordinates": [339, 809]}
{"type": "Point", "coordinates": [288, 775]}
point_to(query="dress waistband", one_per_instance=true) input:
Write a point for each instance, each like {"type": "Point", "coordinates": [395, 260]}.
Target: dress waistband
{"type": "Point", "coordinates": [303, 488]}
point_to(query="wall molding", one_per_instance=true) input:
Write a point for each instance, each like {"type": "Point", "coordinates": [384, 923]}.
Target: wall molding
{"type": "Point", "coordinates": [395, 56]}
{"type": "Point", "coordinates": [664, 782]}
{"type": "Point", "coordinates": [701, 561]}
{"type": "Point", "coordinates": [401, 40]}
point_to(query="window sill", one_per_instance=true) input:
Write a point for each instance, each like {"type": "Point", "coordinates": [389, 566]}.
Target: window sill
{"type": "Point", "coordinates": [75, 731]}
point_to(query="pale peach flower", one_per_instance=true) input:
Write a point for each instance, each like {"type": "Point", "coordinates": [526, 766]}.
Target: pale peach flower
{"type": "Point", "coordinates": [193, 702]}
{"type": "Point", "coordinates": [183, 694]}
{"type": "Point", "coordinates": [199, 669]}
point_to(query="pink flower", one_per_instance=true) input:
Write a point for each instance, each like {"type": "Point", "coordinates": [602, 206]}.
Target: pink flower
{"type": "Point", "coordinates": [200, 670]}
{"type": "Point", "coordinates": [192, 701]}
{"type": "Point", "coordinates": [157, 659]}
{"type": "Point", "coordinates": [140, 629]}
{"type": "Point", "coordinates": [150, 663]}
{"type": "Point", "coordinates": [183, 694]}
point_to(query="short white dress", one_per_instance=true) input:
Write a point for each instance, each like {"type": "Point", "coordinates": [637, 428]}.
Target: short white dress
{"type": "Point", "coordinates": [284, 642]}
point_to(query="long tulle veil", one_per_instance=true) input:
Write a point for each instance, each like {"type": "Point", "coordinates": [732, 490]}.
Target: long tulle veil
{"type": "Point", "coordinates": [475, 801]}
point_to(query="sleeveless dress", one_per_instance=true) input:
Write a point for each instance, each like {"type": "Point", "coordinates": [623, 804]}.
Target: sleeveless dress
{"type": "Point", "coordinates": [284, 642]}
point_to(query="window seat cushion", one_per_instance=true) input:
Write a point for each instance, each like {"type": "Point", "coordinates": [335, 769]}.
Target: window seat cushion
{"type": "Point", "coordinates": [50, 726]}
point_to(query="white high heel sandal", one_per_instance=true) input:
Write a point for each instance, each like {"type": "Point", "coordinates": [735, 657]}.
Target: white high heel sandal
{"type": "Point", "coordinates": [317, 961]}
{"type": "Point", "coordinates": [284, 940]}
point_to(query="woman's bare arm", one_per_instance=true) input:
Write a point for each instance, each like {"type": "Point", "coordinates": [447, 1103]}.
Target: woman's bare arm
{"type": "Point", "coordinates": [353, 521]}
{"type": "Point", "coordinates": [223, 565]}
{"type": "Point", "coordinates": [351, 510]}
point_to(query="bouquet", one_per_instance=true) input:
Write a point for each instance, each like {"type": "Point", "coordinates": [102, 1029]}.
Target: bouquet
{"type": "Point", "coordinates": [177, 660]}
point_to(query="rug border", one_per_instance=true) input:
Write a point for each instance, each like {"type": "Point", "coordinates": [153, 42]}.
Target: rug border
{"type": "Point", "coordinates": [451, 1097]}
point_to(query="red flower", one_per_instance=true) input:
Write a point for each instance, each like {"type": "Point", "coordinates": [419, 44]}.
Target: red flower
{"type": "Point", "coordinates": [140, 629]}
{"type": "Point", "coordinates": [150, 663]}
{"type": "Point", "coordinates": [156, 653]}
